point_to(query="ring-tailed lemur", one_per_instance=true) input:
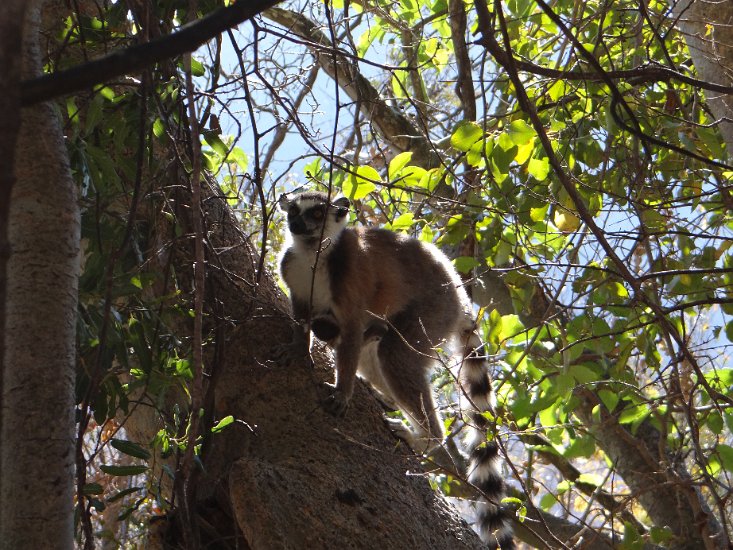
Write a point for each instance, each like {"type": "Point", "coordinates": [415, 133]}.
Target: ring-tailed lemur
{"type": "Point", "coordinates": [386, 301]}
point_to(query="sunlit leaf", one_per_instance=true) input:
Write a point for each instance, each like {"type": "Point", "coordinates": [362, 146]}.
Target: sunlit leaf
{"type": "Point", "coordinates": [465, 135]}
{"type": "Point", "coordinates": [223, 423]}
{"type": "Point", "coordinates": [399, 162]}
{"type": "Point", "coordinates": [520, 132]}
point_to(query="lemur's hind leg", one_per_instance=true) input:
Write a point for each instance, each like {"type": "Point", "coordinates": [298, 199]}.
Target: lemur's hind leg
{"type": "Point", "coordinates": [406, 370]}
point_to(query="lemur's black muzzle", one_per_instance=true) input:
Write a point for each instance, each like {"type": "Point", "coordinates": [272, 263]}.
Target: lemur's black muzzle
{"type": "Point", "coordinates": [297, 226]}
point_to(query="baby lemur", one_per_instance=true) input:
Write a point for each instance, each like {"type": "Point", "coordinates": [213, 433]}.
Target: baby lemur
{"type": "Point", "coordinates": [385, 302]}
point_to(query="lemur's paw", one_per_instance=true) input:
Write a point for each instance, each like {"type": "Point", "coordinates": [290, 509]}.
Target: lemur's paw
{"type": "Point", "coordinates": [400, 430]}
{"type": "Point", "coordinates": [420, 444]}
{"type": "Point", "coordinates": [336, 403]}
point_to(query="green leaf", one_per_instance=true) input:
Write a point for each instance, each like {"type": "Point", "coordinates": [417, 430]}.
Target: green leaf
{"type": "Point", "coordinates": [403, 222]}
{"type": "Point", "coordinates": [520, 132]}
{"type": "Point", "coordinates": [538, 168]}
{"type": "Point", "coordinates": [431, 179]}
{"type": "Point", "coordinates": [557, 90]}
{"type": "Point", "coordinates": [122, 494]}
{"type": "Point", "coordinates": [197, 68]}
{"type": "Point", "coordinates": [725, 452]}
{"type": "Point", "coordinates": [223, 423]}
{"type": "Point", "coordinates": [398, 163]}
{"type": "Point", "coordinates": [466, 134]}
{"type": "Point", "coordinates": [240, 158]}
{"type": "Point", "coordinates": [412, 176]}
{"type": "Point", "coordinates": [547, 501]}
{"type": "Point", "coordinates": [130, 448]}
{"type": "Point", "coordinates": [464, 264]}
{"type": "Point", "coordinates": [715, 422]}
{"type": "Point", "coordinates": [158, 128]}
{"type": "Point", "coordinates": [132, 470]}
{"type": "Point", "coordinates": [633, 413]}
{"type": "Point", "coordinates": [583, 374]}
{"type": "Point", "coordinates": [215, 142]}
{"type": "Point", "coordinates": [92, 489]}
{"type": "Point", "coordinates": [511, 325]}
{"type": "Point", "coordinates": [661, 535]}
{"type": "Point", "coordinates": [610, 399]}
{"type": "Point", "coordinates": [360, 182]}
{"type": "Point", "coordinates": [581, 447]}
{"type": "Point", "coordinates": [592, 479]}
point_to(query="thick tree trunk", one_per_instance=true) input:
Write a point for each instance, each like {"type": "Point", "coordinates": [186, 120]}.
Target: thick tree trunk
{"type": "Point", "coordinates": [287, 474]}
{"type": "Point", "coordinates": [37, 455]}
{"type": "Point", "coordinates": [11, 37]}
{"type": "Point", "coordinates": [708, 29]}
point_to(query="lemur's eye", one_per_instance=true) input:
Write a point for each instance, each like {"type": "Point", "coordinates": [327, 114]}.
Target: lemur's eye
{"type": "Point", "coordinates": [293, 211]}
{"type": "Point", "coordinates": [317, 213]}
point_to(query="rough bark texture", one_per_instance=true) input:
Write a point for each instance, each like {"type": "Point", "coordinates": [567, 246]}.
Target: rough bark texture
{"type": "Point", "coordinates": [708, 29]}
{"type": "Point", "coordinates": [37, 456]}
{"type": "Point", "coordinates": [11, 36]}
{"type": "Point", "coordinates": [306, 479]}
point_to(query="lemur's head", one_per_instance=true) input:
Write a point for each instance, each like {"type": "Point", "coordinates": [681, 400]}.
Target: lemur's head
{"type": "Point", "coordinates": [311, 214]}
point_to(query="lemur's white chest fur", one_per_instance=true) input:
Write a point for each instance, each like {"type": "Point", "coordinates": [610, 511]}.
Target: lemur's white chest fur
{"type": "Point", "coordinates": [302, 278]}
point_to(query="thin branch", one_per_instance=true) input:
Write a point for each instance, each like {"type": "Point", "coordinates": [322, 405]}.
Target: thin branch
{"type": "Point", "coordinates": [139, 57]}
{"type": "Point", "coordinates": [392, 125]}
{"type": "Point", "coordinates": [464, 86]}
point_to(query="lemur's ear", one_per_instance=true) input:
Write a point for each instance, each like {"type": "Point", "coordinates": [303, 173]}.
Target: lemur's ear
{"type": "Point", "coordinates": [342, 203]}
{"type": "Point", "coordinates": [283, 203]}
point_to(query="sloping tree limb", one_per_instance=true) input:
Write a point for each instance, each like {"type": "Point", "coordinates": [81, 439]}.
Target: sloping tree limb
{"type": "Point", "coordinates": [571, 473]}
{"type": "Point", "coordinates": [136, 58]}
{"type": "Point", "coordinates": [344, 476]}
{"type": "Point", "coordinates": [392, 126]}
{"type": "Point", "coordinates": [464, 85]}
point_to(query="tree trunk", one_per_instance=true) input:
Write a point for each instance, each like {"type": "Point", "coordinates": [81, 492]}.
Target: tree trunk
{"type": "Point", "coordinates": [37, 456]}
{"type": "Point", "coordinates": [708, 29]}
{"type": "Point", "coordinates": [11, 37]}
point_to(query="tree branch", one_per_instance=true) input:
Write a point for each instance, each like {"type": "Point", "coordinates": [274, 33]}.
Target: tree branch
{"type": "Point", "coordinates": [464, 85]}
{"type": "Point", "coordinates": [141, 56]}
{"type": "Point", "coordinates": [393, 126]}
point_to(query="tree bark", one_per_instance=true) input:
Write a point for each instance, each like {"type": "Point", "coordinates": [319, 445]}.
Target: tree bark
{"type": "Point", "coordinates": [11, 37]}
{"type": "Point", "coordinates": [37, 456]}
{"type": "Point", "coordinates": [707, 26]}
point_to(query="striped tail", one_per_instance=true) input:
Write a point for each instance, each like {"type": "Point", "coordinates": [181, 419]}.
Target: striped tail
{"type": "Point", "coordinates": [483, 466]}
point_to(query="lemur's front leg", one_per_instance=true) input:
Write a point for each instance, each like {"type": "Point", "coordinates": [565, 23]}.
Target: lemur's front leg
{"type": "Point", "coordinates": [348, 351]}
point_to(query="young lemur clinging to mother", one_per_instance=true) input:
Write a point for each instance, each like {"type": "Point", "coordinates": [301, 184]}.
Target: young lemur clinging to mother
{"type": "Point", "coordinates": [386, 301]}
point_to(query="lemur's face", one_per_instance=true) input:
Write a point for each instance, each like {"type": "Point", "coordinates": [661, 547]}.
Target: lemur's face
{"type": "Point", "coordinates": [310, 215]}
